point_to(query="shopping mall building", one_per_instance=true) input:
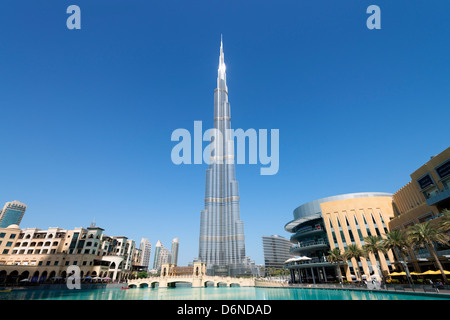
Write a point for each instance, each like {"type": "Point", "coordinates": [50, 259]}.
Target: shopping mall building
{"type": "Point", "coordinates": [336, 222]}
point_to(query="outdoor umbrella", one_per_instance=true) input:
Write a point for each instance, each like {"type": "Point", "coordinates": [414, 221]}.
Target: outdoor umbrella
{"type": "Point", "coordinates": [398, 274]}
{"type": "Point", "coordinates": [435, 272]}
{"type": "Point", "coordinates": [106, 278]}
{"type": "Point", "coordinates": [96, 278]}
{"type": "Point", "coordinates": [24, 280]}
{"type": "Point", "coordinates": [303, 258]}
{"type": "Point", "coordinates": [56, 278]}
{"type": "Point", "coordinates": [88, 277]}
{"type": "Point", "coordinates": [430, 272]}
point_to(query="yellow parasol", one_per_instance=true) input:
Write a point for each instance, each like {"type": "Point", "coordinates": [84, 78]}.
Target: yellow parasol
{"type": "Point", "coordinates": [398, 274]}
{"type": "Point", "coordinates": [430, 272]}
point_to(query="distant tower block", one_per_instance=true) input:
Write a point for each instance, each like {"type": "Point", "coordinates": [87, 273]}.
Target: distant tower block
{"type": "Point", "coordinates": [174, 252]}
{"type": "Point", "coordinates": [12, 213]}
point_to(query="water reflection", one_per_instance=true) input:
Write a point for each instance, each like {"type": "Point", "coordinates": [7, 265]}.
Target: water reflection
{"type": "Point", "coordinates": [209, 293]}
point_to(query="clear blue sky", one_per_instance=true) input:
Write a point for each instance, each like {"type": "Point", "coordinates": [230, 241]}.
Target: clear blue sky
{"type": "Point", "coordinates": [87, 115]}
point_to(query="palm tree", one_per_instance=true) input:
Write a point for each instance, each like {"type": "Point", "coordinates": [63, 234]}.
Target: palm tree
{"type": "Point", "coordinates": [424, 234]}
{"type": "Point", "coordinates": [397, 239]}
{"type": "Point", "coordinates": [374, 245]}
{"type": "Point", "coordinates": [353, 251]}
{"type": "Point", "coordinates": [445, 221]}
{"type": "Point", "coordinates": [335, 256]}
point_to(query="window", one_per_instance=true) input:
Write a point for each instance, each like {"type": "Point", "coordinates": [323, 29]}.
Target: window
{"type": "Point", "coordinates": [426, 217]}
{"type": "Point", "coordinates": [2, 234]}
{"type": "Point", "coordinates": [443, 170]}
{"type": "Point", "coordinates": [48, 263]}
{"type": "Point", "coordinates": [425, 181]}
{"type": "Point", "coordinates": [5, 251]}
{"type": "Point", "coordinates": [9, 244]}
{"type": "Point", "coordinates": [56, 263]}
{"type": "Point", "coordinates": [12, 236]}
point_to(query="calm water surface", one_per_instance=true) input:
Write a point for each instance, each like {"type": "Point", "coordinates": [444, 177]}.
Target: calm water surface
{"type": "Point", "coordinates": [212, 293]}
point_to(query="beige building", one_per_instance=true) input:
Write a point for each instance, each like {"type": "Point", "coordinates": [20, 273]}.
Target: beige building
{"type": "Point", "coordinates": [423, 199]}
{"type": "Point", "coordinates": [337, 222]}
{"type": "Point", "coordinates": [44, 255]}
{"type": "Point", "coordinates": [349, 221]}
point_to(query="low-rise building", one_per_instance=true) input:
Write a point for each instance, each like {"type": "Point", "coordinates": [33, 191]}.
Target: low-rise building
{"type": "Point", "coordinates": [44, 255]}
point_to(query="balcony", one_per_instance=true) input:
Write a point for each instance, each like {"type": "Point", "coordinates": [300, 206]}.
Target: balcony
{"type": "Point", "coordinates": [438, 196]}
{"type": "Point", "coordinates": [307, 231]}
{"type": "Point", "coordinates": [309, 245]}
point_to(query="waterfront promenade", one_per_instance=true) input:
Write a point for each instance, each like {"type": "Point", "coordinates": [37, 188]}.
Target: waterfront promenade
{"type": "Point", "coordinates": [412, 289]}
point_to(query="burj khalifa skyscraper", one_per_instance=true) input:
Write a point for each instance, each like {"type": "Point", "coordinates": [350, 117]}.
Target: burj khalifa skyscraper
{"type": "Point", "coordinates": [222, 241]}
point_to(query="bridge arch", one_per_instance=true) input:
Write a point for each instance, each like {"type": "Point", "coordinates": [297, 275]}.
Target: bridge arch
{"type": "Point", "coordinates": [222, 284]}
{"type": "Point", "coordinates": [173, 284]}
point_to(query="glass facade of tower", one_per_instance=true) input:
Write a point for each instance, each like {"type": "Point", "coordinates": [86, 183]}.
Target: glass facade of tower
{"type": "Point", "coordinates": [12, 213]}
{"type": "Point", "coordinates": [222, 242]}
{"type": "Point", "coordinates": [276, 251]}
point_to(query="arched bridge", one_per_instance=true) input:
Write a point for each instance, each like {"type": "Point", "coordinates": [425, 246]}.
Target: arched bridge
{"type": "Point", "coordinates": [196, 281]}
{"type": "Point", "coordinates": [195, 275]}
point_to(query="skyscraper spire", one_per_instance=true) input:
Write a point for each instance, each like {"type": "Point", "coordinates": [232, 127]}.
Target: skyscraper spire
{"type": "Point", "coordinates": [222, 76]}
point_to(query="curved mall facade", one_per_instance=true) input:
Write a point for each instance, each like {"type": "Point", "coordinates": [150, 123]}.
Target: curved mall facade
{"type": "Point", "coordinates": [336, 222]}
